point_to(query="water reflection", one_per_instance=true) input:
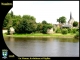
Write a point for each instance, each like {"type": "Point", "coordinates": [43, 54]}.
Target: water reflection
{"type": "Point", "coordinates": [68, 40]}
{"type": "Point", "coordinates": [43, 39]}
{"type": "Point", "coordinates": [43, 46]}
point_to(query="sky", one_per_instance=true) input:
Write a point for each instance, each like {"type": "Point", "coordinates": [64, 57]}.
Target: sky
{"type": "Point", "coordinates": [49, 11]}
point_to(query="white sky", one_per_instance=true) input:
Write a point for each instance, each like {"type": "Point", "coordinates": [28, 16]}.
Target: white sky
{"type": "Point", "coordinates": [47, 10]}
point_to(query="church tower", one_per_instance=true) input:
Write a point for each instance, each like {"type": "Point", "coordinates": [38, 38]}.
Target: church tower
{"type": "Point", "coordinates": [71, 20]}
{"type": "Point", "coordinates": [70, 15]}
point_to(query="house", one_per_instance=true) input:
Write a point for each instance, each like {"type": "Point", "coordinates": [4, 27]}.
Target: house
{"type": "Point", "coordinates": [4, 31]}
{"type": "Point", "coordinates": [50, 31]}
{"type": "Point", "coordinates": [12, 30]}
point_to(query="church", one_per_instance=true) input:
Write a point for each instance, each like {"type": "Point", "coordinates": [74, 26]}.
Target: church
{"type": "Point", "coordinates": [69, 24]}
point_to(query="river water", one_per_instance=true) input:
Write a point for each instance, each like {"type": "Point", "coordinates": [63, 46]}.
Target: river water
{"type": "Point", "coordinates": [43, 47]}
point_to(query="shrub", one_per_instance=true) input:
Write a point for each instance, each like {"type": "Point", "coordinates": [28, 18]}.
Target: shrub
{"type": "Point", "coordinates": [77, 35]}
{"type": "Point", "coordinates": [69, 30]}
{"type": "Point", "coordinates": [74, 30]}
{"type": "Point", "coordinates": [64, 31]}
{"type": "Point", "coordinates": [58, 30]}
{"type": "Point", "coordinates": [75, 24]}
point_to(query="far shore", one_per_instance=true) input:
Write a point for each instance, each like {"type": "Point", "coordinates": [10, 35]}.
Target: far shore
{"type": "Point", "coordinates": [39, 35]}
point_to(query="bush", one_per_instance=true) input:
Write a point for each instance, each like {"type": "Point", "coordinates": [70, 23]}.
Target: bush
{"type": "Point", "coordinates": [58, 30]}
{"type": "Point", "coordinates": [64, 31]}
{"type": "Point", "coordinates": [77, 35]}
{"type": "Point", "coordinates": [74, 30]}
{"type": "Point", "coordinates": [75, 24]}
{"type": "Point", "coordinates": [69, 30]}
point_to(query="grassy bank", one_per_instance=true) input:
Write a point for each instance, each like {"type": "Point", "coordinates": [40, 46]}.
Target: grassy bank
{"type": "Point", "coordinates": [56, 35]}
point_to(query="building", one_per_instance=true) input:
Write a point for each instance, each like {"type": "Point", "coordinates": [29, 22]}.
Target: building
{"type": "Point", "coordinates": [69, 24]}
{"type": "Point", "coordinates": [50, 31]}
{"type": "Point", "coordinates": [12, 30]}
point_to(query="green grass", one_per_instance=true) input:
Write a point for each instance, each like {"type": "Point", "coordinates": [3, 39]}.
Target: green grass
{"type": "Point", "coordinates": [58, 35]}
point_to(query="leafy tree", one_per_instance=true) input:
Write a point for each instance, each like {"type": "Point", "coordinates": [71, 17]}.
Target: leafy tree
{"type": "Point", "coordinates": [16, 20]}
{"type": "Point", "coordinates": [26, 25]}
{"type": "Point", "coordinates": [75, 24]}
{"type": "Point", "coordinates": [11, 13]}
{"type": "Point", "coordinates": [6, 20]}
{"type": "Point", "coordinates": [28, 17]}
{"type": "Point", "coordinates": [44, 22]}
{"type": "Point", "coordinates": [61, 19]}
{"type": "Point", "coordinates": [39, 27]}
{"type": "Point", "coordinates": [21, 27]}
{"type": "Point", "coordinates": [45, 27]}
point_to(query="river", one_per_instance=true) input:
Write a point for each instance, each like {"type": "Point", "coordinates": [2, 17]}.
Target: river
{"type": "Point", "coordinates": [43, 47]}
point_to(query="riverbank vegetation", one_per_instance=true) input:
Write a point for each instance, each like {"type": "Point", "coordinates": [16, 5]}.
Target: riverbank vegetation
{"type": "Point", "coordinates": [55, 35]}
{"type": "Point", "coordinates": [26, 26]}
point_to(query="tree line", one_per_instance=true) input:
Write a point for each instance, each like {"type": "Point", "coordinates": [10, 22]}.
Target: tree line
{"type": "Point", "coordinates": [25, 24]}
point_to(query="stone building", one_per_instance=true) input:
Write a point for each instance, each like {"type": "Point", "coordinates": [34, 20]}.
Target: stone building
{"type": "Point", "coordinates": [50, 31]}
{"type": "Point", "coordinates": [71, 20]}
{"type": "Point", "coordinates": [69, 24]}
{"type": "Point", "coordinates": [12, 30]}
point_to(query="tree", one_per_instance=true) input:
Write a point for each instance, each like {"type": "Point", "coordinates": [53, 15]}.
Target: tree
{"type": "Point", "coordinates": [39, 27]}
{"type": "Point", "coordinates": [45, 27]}
{"type": "Point", "coordinates": [75, 24]}
{"type": "Point", "coordinates": [7, 23]}
{"type": "Point", "coordinates": [6, 20]}
{"type": "Point", "coordinates": [11, 13]}
{"type": "Point", "coordinates": [44, 22]}
{"type": "Point", "coordinates": [28, 17]}
{"type": "Point", "coordinates": [61, 19]}
{"type": "Point", "coordinates": [16, 19]}
{"type": "Point", "coordinates": [26, 25]}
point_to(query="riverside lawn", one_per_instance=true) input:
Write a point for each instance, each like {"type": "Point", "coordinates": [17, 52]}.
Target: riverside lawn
{"type": "Point", "coordinates": [55, 35]}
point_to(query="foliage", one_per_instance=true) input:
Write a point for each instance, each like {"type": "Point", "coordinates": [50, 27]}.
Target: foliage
{"type": "Point", "coordinates": [58, 30]}
{"type": "Point", "coordinates": [45, 27]}
{"type": "Point", "coordinates": [74, 30]}
{"type": "Point", "coordinates": [75, 24]}
{"type": "Point", "coordinates": [77, 35]}
{"type": "Point", "coordinates": [26, 25]}
{"type": "Point", "coordinates": [6, 20]}
{"type": "Point", "coordinates": [54, 28]}
{"type": "Point", "coordinates": [28, 17]}
{"type": "Point", "coordinates": [44, 22]}
{"type": "Point", "coordinates": [61, 19]}
{"type": "Point", "coordinates": [16, 20]}
{"type": "Point", "coordinates": [12, 14]}
{"type": "Point", "coordinates": [39, 27]}
{"type": "Point", "coordinates": [69, 30]}
{"type": "Point", "coordinates": [64, 31]}
{"type": "Point", "coordinates": [8, 28]}
{"type": "Point", "coordinates": [42, 27]}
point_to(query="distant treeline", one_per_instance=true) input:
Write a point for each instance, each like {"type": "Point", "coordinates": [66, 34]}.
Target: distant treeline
{"type": "Point", "coordinates": [25, 24]}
